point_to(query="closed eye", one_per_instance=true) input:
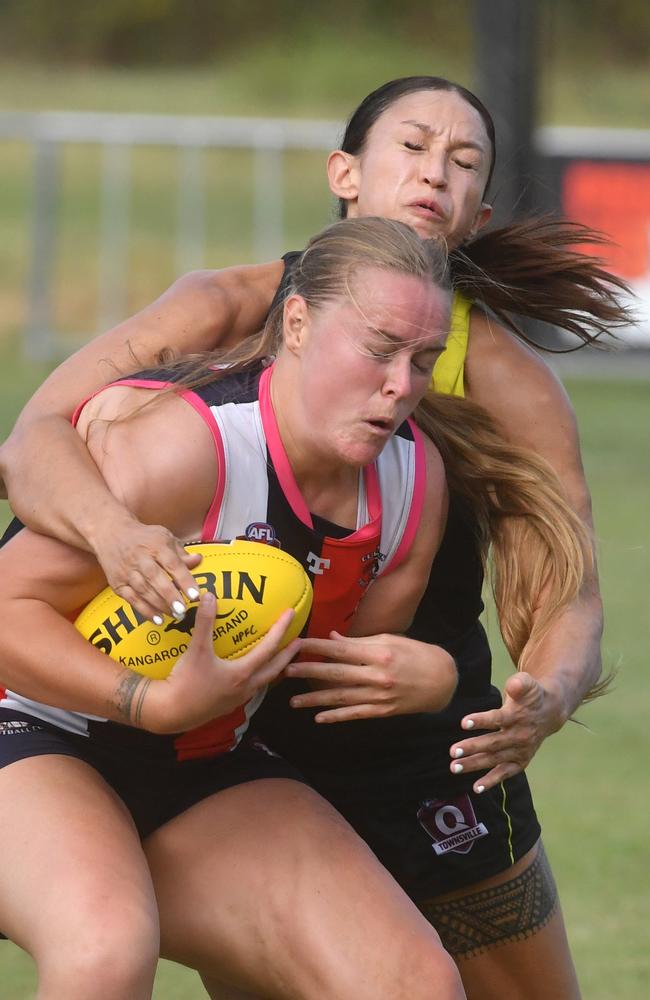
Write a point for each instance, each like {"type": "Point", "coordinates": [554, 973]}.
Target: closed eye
{"type": "Point", "coordinates": [415, 146]}
{"type": "Point", "coordinates": [423, 367]}
{"type": "Point", "coordinates": [380, 355]}
{"type": "Point", "coordinates": [465, 164]}
{"type": "Point", "coordinates": [423, 363]}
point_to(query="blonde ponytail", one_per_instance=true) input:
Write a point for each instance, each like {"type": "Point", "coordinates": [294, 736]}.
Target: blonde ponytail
{"type": "Point", "coordinates": [519, 507]}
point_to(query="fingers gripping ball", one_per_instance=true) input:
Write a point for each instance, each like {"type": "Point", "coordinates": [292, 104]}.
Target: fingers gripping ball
{"type": "Point", "coordinates": [254, 583]}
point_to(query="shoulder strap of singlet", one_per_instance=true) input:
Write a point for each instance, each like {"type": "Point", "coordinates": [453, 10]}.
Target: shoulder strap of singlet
{"type": "Point", "coordinates": [401, 468]}
{"type": "Point", "coordinates": [449, 369]}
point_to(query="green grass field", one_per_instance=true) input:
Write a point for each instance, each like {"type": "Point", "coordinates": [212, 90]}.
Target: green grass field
{"type": "Point", "coordinates": [591, 785]}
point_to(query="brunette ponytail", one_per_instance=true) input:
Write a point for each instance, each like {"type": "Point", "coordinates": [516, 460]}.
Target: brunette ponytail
{"type": "Point", "coordinates": [534, 268]}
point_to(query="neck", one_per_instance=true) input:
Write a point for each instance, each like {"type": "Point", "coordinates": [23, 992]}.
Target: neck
{"type": "Point", "coordinates": [328, 486]}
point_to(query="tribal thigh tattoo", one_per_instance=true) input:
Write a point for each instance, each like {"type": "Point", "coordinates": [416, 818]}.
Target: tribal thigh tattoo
{"type": "Point", "coordinates": [512, 911]}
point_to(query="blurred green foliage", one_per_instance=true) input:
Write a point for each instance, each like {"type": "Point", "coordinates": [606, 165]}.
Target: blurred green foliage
{"type": "Point", "coordinates": [188, 32]}
{"type": "Point", "coordinates": [191, 31]}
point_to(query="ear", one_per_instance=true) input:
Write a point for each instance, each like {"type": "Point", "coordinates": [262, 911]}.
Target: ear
{"type": "Point", "coordinates": [295, 323]}
{"type": "Point", "coordinates": [343, 175]}
{"type": "Point", "coordinates": [481, 219]}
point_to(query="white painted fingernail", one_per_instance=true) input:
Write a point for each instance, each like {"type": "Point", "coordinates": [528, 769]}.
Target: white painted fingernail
{"type": "Point", "coordinates": [157, 619]}
{"type": "Point", "coordinates": [480, 789]}
{"type": "Point", "coordinates": [178, 608]}
{"type": "Point", "coordinates": [192, 593]}
{"type": "Point", "coordinates": [456, 768]}
{"type": "Point", "coordinates": [459, 752]}
{"type": "Point", "coordinates": [468, 724]}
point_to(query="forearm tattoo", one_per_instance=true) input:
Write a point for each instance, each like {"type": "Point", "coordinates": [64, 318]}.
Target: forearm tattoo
{"type": "Point", "coordinates": [130, 695]}
{"type": "Point", "coordinates": [512, 911]}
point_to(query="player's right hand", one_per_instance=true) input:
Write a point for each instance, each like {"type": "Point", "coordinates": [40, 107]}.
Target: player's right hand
{"type": "Point", "coordinates": [202, 686]}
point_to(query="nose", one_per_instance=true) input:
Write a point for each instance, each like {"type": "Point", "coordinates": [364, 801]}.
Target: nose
{"type": "Point", "coordinates": [398, 382]}
{"type": "Point", "coordinates": [434, 169]}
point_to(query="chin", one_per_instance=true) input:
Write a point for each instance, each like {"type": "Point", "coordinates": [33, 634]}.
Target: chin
{"type": "Point", "coordinates": [362, 454]}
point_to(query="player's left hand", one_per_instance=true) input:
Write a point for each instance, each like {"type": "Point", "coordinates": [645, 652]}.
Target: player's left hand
{"type": "Point", "coordinates": [373, 677]}
{"type": "Point", "coordinates": [517, 730]}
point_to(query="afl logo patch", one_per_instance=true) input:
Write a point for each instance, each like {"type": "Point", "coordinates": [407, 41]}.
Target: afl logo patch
{"type": "Point", "coordinates": [259, 531]}
{"type": "Point", "coordinates": [451, 824]}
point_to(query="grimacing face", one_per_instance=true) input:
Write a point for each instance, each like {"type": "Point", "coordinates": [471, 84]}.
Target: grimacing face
{"type": "Point", "coordinates": [425, 162]}
{"type": "Point", "coordinates": [366, 361]}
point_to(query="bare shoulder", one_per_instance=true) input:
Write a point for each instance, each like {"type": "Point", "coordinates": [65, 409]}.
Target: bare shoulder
{"type": "Point", "coordinates": [156, 454]}
{"type": "Point", "coordinates": [513, 383]}
{"type": "Point", "coordinates": [527, 401]}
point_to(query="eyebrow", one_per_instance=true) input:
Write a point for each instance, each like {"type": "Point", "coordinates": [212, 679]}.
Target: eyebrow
{"type": "Point", "coordinates": [399, 343]}
{"type": "Point", "coordinates": [428, 131]}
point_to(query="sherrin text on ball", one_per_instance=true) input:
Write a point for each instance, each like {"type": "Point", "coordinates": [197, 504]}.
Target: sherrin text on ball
{"type": "Point", "coordinates": [253, 583]}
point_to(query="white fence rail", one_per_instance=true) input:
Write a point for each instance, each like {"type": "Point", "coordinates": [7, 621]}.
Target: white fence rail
{"type": "Point", "coordinates": [267, 140]}
{"type": "Point", "coordinates": [117, 135]}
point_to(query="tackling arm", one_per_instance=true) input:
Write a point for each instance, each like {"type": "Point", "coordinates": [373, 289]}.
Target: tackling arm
{"type": "Point", "coordinates": [526, 400]}
{"type": "Point", "coordinates": [43, 582]}
{"type": "Point", "coordinates": [52, 483]}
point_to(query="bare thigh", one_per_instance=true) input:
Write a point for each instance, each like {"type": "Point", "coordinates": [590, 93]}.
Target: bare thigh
{"type": "Point", "coordinates": [74, 885]}
{"type": "Point", "coordinates": [265, 887]}
{"type": "Point", "coordinates": [507, 934]}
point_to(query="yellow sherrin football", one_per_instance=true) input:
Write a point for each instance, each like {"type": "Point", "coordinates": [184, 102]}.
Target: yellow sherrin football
{"type": "Point", "coordinates": [253, 582]}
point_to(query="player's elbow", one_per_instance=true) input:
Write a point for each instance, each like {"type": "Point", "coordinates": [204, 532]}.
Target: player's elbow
{"type": "Point", "coordinates": [10, 453]}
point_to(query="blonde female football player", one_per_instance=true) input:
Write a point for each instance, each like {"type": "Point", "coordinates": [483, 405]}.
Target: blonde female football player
{"type": "Point", "coordinates": [420, 150]}
{"type": "Point", "coordinates": [96, 757]}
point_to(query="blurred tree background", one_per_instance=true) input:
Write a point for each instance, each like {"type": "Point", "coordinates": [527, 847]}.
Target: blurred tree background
{"type": "Point", "coordinates": [173, 32]}
{"type": "Point", "coordinates": [280, 55]}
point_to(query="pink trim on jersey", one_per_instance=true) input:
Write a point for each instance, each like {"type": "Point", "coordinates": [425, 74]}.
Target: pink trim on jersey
{"type": "Point", "coordinates": [417, 502]}
{"type": "Point", "coordinates": [281, 463]}
{"type": "Point", "coordinates": [209, 527]}
{"type": "Point", "coordinates": [134, 382]}
{"type": "Point", "coordinates": [373, 491]}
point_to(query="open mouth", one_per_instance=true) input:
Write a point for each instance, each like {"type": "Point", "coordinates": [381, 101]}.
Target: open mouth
{"type": "Point", "coordinates": [383, 425]}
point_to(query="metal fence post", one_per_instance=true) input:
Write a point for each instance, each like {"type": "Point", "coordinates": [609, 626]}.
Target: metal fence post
{"type": "Point", "coordinates": [114, 243]}
{"type": "Point", "coordinates": [38, 336]}
{"type": "Point", "coordinates": [190, 243]}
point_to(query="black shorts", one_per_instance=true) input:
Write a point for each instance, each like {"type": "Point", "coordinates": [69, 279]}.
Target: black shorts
{"type": "Point", "coordinates": [432, 832]}
{"type": "Point", "coordinates": [154, 790]}
{"type": "Point", "coordinates": [390, 779]}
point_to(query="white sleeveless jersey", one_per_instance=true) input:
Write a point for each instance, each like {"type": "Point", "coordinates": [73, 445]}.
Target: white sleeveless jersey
{"type": "Point", "coordinates": [257, 497]}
